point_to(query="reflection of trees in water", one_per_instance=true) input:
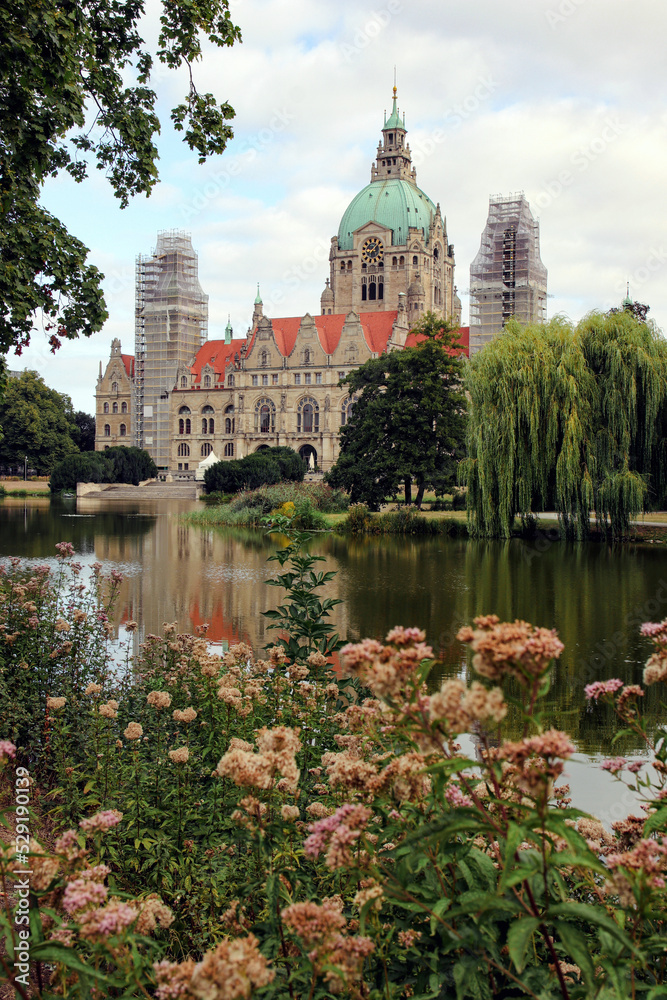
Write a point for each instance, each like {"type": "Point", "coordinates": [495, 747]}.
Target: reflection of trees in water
{"type": "Point", "coordinates": [32, 529]}
{"type": "Point", "coordinates": [596, 596]}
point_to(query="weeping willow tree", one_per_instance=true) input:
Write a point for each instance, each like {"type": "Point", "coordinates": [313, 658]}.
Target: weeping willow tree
{"type": "Point", "coordinates": [567, 418]}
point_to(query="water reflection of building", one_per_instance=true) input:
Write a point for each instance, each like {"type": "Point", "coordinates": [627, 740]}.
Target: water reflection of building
{"type": "Point", "coordinates": [183, 573]}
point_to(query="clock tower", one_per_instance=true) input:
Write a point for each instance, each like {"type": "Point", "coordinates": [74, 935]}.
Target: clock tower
{"type": "Point", "coordinates": [392, 238]}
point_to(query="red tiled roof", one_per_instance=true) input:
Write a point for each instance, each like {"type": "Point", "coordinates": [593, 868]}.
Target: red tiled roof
{"type": "Point", "coordinates": [376, 327]}
{"type": "Point", "coordinates": [128, 361]}
{"type": "Point", "coordinates": [217, 354]}
{"type": "Point", "coordinates": [462, 334]}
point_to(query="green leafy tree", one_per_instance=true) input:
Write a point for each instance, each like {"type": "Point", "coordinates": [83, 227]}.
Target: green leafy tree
{"type": "Point", "coordinates": [75, 90]}
{"type": "Point", "coordinates": [567, 417]}
{"type": "Point", "coordinates": [130, 465]}
{"type": "Point", "coordinates": [408, 422]}
{"type": "Point", "coordinates": [114, 465]}
{"type": "Point", "coordinates": [84, 433]}
{"type": "Point", "coordinates": [86, 467]}
{"type": "Point", "coordinates": [262, 468]}
{"type": "Point", "coordinates": [37, 422]}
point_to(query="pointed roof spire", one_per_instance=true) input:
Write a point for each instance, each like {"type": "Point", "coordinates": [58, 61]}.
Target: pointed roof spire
{"type": "Point", "coordinates": [258, 297]}
{"type": "Point", "coordinates": [228, 330]}
{"type": "Point", "coordinates": [394, 120]}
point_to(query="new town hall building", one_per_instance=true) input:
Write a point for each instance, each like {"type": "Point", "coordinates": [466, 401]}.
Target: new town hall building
{"type": "Point", "coordinates": [182, 396]}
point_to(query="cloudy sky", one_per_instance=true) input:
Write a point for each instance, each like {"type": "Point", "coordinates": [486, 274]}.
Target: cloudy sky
{"type": "Point", "coordinates": [561, 99]}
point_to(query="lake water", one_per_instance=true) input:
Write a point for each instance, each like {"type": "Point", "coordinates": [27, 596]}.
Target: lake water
{"type": "Point", "coordinates": [595, 595]}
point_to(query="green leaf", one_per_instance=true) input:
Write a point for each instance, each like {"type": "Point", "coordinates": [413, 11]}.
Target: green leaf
{"type": "Point", "coordinates": [51, 951]}
{"type": "Point", "coordinates": [655, 821]}
{"type": "Point", "coordinates": [518, 939]}
{"type": "Point", "coordinates": [578, 947]}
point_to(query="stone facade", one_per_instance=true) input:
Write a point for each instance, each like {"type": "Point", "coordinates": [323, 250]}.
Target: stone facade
{"type": "Point", "coordinates": [113, 400]}
{"type": "Point", "coordinates": [278, 386]}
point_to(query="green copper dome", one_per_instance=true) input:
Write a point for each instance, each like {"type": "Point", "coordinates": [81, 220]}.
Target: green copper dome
{"type": "Point", "coordinates": [391, 202]}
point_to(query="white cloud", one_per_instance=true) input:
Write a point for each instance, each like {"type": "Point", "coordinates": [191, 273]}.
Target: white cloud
{"type": "Point", "coordinates": [498, 98]}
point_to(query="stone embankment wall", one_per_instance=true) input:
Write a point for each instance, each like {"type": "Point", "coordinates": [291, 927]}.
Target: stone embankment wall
{"type": "Point", "coordinates": [151, 489]}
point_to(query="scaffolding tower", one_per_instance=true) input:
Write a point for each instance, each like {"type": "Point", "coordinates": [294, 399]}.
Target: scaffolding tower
{"type": "Point", "coordinates": [171, 324]}
{"type": "Point", "coordinates": [507, 277]}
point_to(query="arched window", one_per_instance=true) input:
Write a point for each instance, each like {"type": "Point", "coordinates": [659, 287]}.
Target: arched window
{"type": "Point", "coordinates": [208, 423]}
{"type": "Point", "coordinates": [372, 289]}
{"type": "Point", "coordinates": [229, 450]}
{"type": "Point", "coordinates": [229, 419]}
{"type": "Point", "coordinates": [308, 416]}
{"type": "Point", "coordinates": [307, 356]}
{"type": "Point", "coordinates": [263, 358]}
{"type": "Point", "coordinates": [230, 379]}
{"type": "Point", "coordinates": [349, 265]}
{"type": "Point", "coordinates": [380, 290]}
{"type": "Point", "coordinates": [342, 265]}
{"type": "Point", "coordinates": [183, 450]}
{"type": "Point", "coordinates": [185, 410]}
{"type": "Point", "coordinates": [346, 411]}
{"type": "Point", "coordinates": [207, 381]}
{"type": "Point", "coordinates": [181, 426]}
{"type": "Point", "coordinates": [123, 407]}
{"type": "Point", "coordinates": [401, 261]}
{"type": "Point", "coordinates": [114, 408]}
{"type": "Point", "coordinates": [114, 386]}
{"type": "Point", "coordinates": [265, 416]}
{"type": "Point", "coordinates": [123, 430]}
{"type": "Point", "coordinates": [394, 261]}
{"type": "Point", "coordinates": [107, 431]}
{"type": "Point", "coordinates": [206, 449]}
{"type": "Point", "coordinates": [106, 407]}
{"type": "Point", "coordinates": [415, 261]}
{"type": "Point", "coordinates": [436, 254]}
{"type": "Point", "coordinates": [184, 381]}
{"type": "Point", "coordinates": [188, 426]}
{"type": "Point", "coordinates": [364, 289]}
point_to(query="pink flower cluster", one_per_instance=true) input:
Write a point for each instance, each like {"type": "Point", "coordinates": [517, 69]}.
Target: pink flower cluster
{"type": "Point", "coordinates": [82, 893]}
{"type": "Point", "coordinates": [386, 669]}
{"type": "Point", "coordinates": [101, 821]}
{"type": "Point", "coordinates": [655, 630]}
{"type": "Point", "coordinates": [455, 796]}
{"type": "Point", "coordinates": [517, 649]}
{"type": "Point", "coordinates": [599, 688]}
{"type": "Point", "coordinates": [64, 549]}
{"type": "Point", "coordinates": [7, 750]}
{"type": "Point", "coordinates": [336, 834]}
{"type": "Point", "coordinates": [614, 764]}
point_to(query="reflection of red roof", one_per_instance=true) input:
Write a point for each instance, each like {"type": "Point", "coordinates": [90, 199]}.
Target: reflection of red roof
{"type": "Point", "coordinates": [219, 629]}
{"type": "Point", "coordinates": [462, 335]}
{"type": "Point", "coordinates": [128, 361]}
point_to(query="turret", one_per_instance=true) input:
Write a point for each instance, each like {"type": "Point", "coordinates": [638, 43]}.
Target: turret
{"type": "Point", "coordinates": [327, 300]}
{"type": "Point", "coordinates": [393, 154]}
{"type": "Point", "coordinates": [258, 311]}
{"type": "Point", "coordinates": [229, 333]}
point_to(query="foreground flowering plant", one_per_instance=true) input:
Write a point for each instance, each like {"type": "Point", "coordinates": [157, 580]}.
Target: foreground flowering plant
{"type": "Point", "coordinates": [260, 827]}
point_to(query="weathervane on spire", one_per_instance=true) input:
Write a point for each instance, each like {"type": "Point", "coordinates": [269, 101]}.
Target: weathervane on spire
{"type": "Point", "coordinates": [395, 88]}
